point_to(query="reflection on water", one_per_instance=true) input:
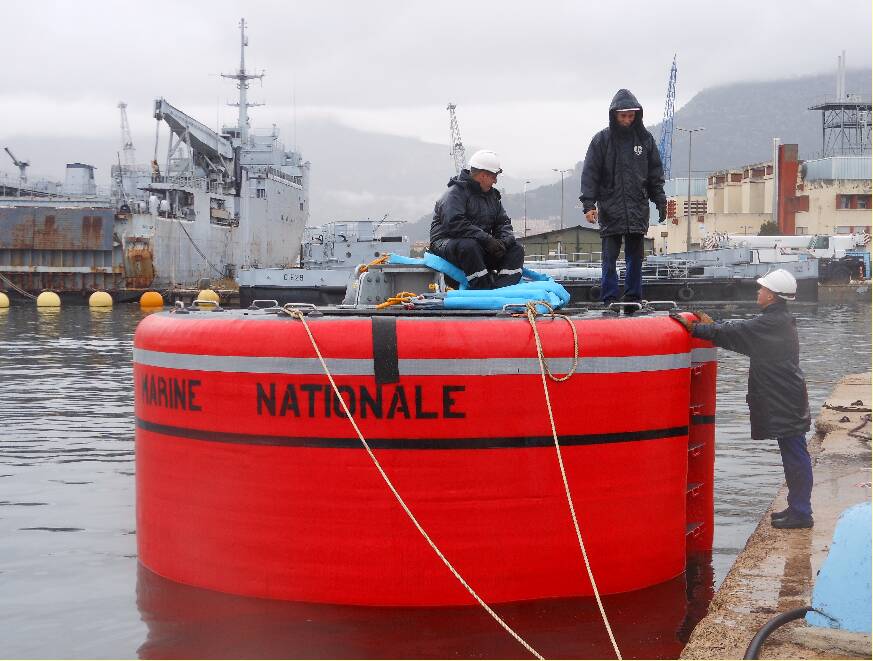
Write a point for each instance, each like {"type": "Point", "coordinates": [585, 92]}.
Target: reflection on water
{"type": "Point", "coordinates": [181, 619]}
{"type": "Point", "coordinates": [71, 586]}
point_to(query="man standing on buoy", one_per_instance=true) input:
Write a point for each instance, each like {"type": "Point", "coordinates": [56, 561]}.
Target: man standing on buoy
{"type": "Point", "coordinates": [621, 173]}
{"type": "Point", "coordinates": [777, 397]}
{"type": "Point", "coordinates": [471, 230]}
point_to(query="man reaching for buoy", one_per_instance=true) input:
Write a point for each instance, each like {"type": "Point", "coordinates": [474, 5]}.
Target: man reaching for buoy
{"type": "Point", "coordinates": [777, 397]}
{"type": "Point", "coordinates": [471, 230]}
{"type": "Point", "coordinates": [621, 173]}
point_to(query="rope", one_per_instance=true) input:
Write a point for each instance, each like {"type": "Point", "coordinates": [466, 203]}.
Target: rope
{"type": "Point", "coordinates": [363, 268]}
{"type": "Point", "coordinates": [399, 298]}
{"type": "Point", "coordinates": [297, 314]}
{"type": "Point", "coordinates": [531, 309]}
{"type": "Point", "coordinates": [16, 287]}
{"type": "Point", "coordinates": [200, 252]}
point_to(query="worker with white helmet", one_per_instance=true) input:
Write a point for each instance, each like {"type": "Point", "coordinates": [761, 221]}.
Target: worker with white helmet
{"type": "Point", "coordinates": [471, 230]}
{"type": "Point", "coordinates": [777, 397]}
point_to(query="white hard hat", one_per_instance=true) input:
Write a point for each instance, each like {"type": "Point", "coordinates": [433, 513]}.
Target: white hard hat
{"type": "Point", "coordinates": [781, 283]}
{"type": "Point", "coordinates": [485, 159]}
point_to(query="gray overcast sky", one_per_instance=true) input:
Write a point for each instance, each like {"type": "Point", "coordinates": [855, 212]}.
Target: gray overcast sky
{"type": "Point", "coordinates": [517, 70]}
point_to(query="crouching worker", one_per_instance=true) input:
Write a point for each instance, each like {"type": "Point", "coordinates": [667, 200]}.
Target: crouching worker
{"type": "Point", "coordinates": [777, 397]}
{"type": "Point", "coordinates": [471, 230]}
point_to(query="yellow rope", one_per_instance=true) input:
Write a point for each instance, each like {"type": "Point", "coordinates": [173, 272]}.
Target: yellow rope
{"type": "Point", "coordinates": [531, 309]}
{"type": "Point", "coordinates": [297, 314]}
{"type": "Point", "coordinates": [363, 268]}
{"type": "Point", "coordinates": [398, 299]}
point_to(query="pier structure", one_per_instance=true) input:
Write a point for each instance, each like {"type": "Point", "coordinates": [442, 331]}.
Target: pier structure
{"type": "Point", "coordinates": [777, 569]}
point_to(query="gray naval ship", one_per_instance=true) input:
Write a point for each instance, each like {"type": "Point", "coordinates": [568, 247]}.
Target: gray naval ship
{"type": "Point", "coordinates": [218, 202]}
{"type": "Point", "coordinates": [331, 258]}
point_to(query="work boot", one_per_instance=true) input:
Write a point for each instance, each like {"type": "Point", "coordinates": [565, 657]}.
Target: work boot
{"type": "Point", "coordinates": [779, 515]}
{"type": "Point", "coordinates": [606, 304]}
{"type": "Point", "coordinates": [630, 309]}
{"type": "Point", "coordinates": [791, 521]}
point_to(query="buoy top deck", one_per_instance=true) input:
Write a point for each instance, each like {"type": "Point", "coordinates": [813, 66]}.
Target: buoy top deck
{"type": "Point", "coordinates": [271, 309]}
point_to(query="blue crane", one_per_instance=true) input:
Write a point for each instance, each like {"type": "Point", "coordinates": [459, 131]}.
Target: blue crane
{"type": "Point", "coordinates": [665, 145]}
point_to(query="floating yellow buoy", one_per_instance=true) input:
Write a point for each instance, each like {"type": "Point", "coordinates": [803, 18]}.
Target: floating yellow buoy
{"type": "Point", "coordinates": [100, 299]}
{"type": "Point", "coordinates": [151, 299]}
{"type": "Point", "coordinates": [48, 299]}
{"type": "Point", "coordinates": [207, 295]}
{"type": "Point", "coordinates": [4, 300]}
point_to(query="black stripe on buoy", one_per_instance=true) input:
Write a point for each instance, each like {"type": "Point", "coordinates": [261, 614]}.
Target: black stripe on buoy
{"type": "Point", "coordinates": [385, 365]}
{"type": "Point", "coordinates": [494, 443]}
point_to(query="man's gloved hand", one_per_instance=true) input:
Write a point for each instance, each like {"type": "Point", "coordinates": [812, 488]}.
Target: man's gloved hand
{"type": "Point", "coordinates": [662, 213]}
{"type": "Point", "coordinates": [494, 248]}
{"type": "Point", "coordinates": [508, 241]}
{"type": "Point", "coordinates": [704, 318]}
{"type": "Point", "coordinates": [687, 323]}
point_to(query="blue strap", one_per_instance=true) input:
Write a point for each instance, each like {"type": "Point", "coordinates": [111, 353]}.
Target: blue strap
{"type": "Point", "coordinates": [534, 287]}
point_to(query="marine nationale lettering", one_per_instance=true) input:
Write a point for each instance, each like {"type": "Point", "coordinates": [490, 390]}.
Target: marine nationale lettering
{"type": "Point", "coordinates": [170, 393]}
{"type": "Point", "coordinates": [314, 400]}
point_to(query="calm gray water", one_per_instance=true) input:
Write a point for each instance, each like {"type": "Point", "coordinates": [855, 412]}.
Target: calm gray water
{"type": "Point", "coordinates": [70, 585]}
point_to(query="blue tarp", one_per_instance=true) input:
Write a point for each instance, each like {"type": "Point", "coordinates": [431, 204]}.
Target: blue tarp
{"type": "Point", "coordinates": [533, 287]}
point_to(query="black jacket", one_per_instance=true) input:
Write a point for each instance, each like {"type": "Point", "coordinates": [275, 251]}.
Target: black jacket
{"type": "Point", "coordinates": [465, 212]}
{"type": "Point", "coordinates": [622, 172]}
{"type": "Point", "coordinates": [777, 398]}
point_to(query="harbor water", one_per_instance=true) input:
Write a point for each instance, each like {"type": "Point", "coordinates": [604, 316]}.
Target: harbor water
{"type": "Point", "coordinates": [71, 587]}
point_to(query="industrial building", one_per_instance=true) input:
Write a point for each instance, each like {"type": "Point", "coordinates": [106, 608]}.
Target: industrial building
{"type": "Point", "coordinates": [579, 243]}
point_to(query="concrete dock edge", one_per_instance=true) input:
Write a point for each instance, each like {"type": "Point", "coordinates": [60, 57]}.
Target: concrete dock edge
{"type": "Point", "coordinates": [776, 570]}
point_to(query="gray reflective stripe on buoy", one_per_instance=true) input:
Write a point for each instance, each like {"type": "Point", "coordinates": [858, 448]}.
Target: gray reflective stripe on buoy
{"type": "Point", "coordinates": [704, 355]}
{"type": "Point", "coordinates": [410, 366]}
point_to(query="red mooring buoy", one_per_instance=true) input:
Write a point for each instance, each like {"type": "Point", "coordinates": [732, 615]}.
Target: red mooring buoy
{"type": "Point", "coordinates": [250, 479]}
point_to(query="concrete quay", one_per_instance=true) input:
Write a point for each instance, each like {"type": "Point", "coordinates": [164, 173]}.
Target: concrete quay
{"type": "Point", "coordinates": [776, 571]}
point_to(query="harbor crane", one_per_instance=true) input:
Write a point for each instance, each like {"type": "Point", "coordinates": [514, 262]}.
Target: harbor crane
{"type": "Point", "coordinates": [22, 170]}
{"type": "Point", "coordinates": [665, 145]}
{"type": "Point", "coordinates": [126, 139]}
{"type": "Point", "coordinates": [458, 154]}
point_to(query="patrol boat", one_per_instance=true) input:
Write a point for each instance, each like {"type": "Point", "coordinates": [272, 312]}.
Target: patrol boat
{"type": "Point", "coordinates": [322, 454]}
{"type": "Point", "coordinates": [329, 256]}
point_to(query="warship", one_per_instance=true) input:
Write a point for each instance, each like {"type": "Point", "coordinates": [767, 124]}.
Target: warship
{"type": "Point", "coordinates": [219, 201]}
{"type": "Point", "coordinates": [331, 257]}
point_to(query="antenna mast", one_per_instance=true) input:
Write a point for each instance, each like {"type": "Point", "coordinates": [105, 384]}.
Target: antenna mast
{"type": "Point", "coordinates": [665, 145]}
{"type": "Point", "coordinates": [243, 79]}
{"type": "Point", "coordinates": [458, 155]}
{"type": "Point", "coordinates": [126, 138]}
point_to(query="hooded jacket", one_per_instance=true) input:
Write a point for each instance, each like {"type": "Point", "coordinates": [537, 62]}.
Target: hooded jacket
{"type": "Point", "coordinates": [465, 212]}
{"type": "Point", "coordinates": [622, 172]}
{"type": "Point", "coordinates": [777, 397]}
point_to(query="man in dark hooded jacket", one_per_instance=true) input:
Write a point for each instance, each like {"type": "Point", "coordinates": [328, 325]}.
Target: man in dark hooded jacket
{"type": "Point", "coordinates": [471, 230]}
{"type": "Point", "coordinates": [777, 397]}
{"type": "Point", "coordinates": [621, 173]}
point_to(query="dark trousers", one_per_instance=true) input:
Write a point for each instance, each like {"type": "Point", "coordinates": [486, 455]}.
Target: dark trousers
{"type": "Point", "coordinates": [481, 270]}
{"type": "Point", "coordinates": [633, 276]}
{"type": "Point", "coordinates": [798, 473]}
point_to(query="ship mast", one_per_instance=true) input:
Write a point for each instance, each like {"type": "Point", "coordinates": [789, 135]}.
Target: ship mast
{"type": "Point", "coordinates": [243, 79]}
